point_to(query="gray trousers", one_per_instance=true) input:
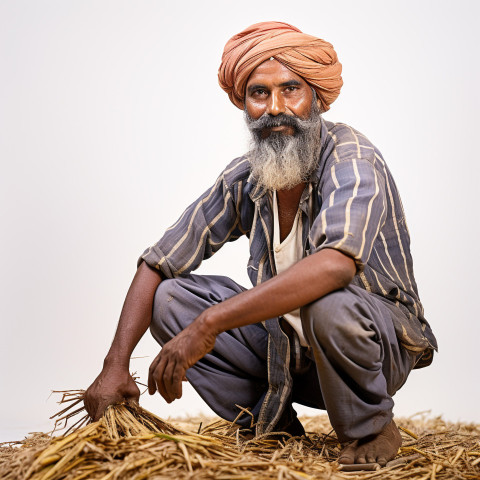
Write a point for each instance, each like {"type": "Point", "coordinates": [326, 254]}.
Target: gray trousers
{"type": "Point", "coordinates": [352, 368]}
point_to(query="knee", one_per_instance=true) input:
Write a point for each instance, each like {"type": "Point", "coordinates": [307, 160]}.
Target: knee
{"type": "Point", "coordinates": [163, 298]}
{"type": "Point", "coordinates": [164, 325]}
{"type": "Point", "coordinates": [336, 318]}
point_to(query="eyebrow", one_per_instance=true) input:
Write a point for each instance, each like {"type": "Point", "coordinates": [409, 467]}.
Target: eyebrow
{"type": "Point", "coordinates": [255, 86]}
{"type": "Point", "coordinates": [290, 83]}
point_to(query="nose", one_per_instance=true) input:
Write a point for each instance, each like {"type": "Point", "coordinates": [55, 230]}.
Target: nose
{"type": "Point", "coordinates": [276, 104]}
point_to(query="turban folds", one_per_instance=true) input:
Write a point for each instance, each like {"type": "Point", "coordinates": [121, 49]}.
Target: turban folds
{"type": "Point", "coordinates": [309, 57]}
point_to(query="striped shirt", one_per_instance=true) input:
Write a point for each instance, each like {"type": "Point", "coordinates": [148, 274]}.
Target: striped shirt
{"type": "Point", "coordinates": [350, 204]}
{"type": "Point", "coordinates": [355, 209]}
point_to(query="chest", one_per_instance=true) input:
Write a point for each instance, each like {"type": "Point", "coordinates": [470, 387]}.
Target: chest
{"type": "Point", "coordinates": [288, 202]}
{"type": "Point", "coordinates": [286, 218]}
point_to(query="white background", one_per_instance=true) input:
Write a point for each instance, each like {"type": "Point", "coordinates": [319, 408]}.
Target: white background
{"type": "Point", "coordinates": [111, 122]}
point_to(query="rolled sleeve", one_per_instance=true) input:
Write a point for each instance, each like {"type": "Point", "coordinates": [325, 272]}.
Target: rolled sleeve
{"type": "Point", "coordinates": [202, 229]}
{"type": "Point", "coordinates": [353, 210]}
{"type": "Point", "coordinates": [155, 258]}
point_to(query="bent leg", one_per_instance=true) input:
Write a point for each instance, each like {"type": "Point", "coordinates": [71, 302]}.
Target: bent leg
{"type": "Point", "coordinates": [359, 361]}
{"type": "Point", "coordinates": [235, 371]}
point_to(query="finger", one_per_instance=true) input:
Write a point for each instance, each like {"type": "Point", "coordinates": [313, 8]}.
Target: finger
{"type": "Point", "coordinates": [86, 404]}
{"type": "Point", "coordinates": [152, 387]}
{"type": "Point", "coordinates": [132, 401]}
{"type": "Point", "coordinates": [90, 406]}
{"type": "Point", "coordinates": [168, 381]}
{"type": "Point", "coordinates": [90, 411]}
{"type": "Point", "coordinates": [99, 413]}
{"type": "Point", "coordinates": [178, 376]}
{"type": "Point", "coordinates": [172, 378]}
{"type": "Point", "coordinates": [133, 397]}
{"type": "Point", "coordinates": [159, 377]}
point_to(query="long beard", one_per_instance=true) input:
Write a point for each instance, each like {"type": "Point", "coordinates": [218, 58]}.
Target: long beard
{"type": "Point", "coordinates": [279, 161]}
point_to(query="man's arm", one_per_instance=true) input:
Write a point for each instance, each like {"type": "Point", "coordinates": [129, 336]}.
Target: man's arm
{"type": "Point", "coordinates": [115, 384]}
{"type": "Point", "coordinates": [310, 279]}
{"type": "Point", "coordinates": [180, 250]}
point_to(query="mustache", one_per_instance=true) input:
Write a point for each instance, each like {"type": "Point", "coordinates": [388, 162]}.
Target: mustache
{"type": "Point", "coordinates": [269, 121]}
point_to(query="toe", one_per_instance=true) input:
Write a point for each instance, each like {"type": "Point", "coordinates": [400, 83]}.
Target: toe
{"type": "Point", "coordinates": [382, 461]}
{"type": "Point", "coordinates": [361, 458]}
{"type": "Point", "coordinates": [347, 455]}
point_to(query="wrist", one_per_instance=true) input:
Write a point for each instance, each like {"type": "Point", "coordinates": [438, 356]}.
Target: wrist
{"type": "Point", "coordinates": [209, 321]}
{"type": "Point", "coordinates": [113, 360]}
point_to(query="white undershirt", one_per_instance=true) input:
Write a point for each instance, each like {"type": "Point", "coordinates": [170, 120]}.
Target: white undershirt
{"type": "Point", "coordinates": [287, 253]}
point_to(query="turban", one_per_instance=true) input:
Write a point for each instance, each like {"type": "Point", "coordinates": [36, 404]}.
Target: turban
{"type": "Point", "coordinates": [309, 57]}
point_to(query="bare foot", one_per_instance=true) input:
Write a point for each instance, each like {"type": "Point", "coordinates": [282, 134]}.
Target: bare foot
{"type": "Point", "coordinates": [379, 448]}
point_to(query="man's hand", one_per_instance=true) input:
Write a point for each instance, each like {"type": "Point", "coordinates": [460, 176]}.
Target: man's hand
{"type": "Point", "coordinates": [313, 277]}
{"type": "Point", "coordinates": [113, 385]}
{"type": "Point", "coordinates": [168, 370]}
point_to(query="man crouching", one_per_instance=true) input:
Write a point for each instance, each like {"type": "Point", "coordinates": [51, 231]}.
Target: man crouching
{"type": "Point", "coordinates": [333, 320]}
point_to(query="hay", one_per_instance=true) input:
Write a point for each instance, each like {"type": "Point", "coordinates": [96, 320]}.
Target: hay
{"type": "Point", "coordinates": [131, 443]}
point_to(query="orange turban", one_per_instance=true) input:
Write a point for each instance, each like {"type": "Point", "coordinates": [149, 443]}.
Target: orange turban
{"type": "Point", "coordinates": [309, 57]}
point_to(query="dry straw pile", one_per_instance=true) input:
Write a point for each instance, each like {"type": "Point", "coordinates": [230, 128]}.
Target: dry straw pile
{"type": "Point", "coordinates": [131, 443]}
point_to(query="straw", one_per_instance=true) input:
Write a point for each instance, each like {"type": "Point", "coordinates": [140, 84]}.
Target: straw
{"type": "Point", "coordinates": [129, 442]}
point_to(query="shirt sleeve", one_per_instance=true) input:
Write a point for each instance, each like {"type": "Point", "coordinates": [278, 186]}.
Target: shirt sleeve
{"type": "Point", "coordinates": [202, 229]}
{"type": "Point", "coordinates": [353, 209]}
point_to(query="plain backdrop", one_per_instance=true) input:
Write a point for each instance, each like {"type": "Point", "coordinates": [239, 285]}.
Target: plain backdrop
{"type": "Point", "coordinates": [112, 122]}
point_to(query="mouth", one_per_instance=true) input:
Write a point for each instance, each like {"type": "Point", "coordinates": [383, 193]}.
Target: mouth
{"type": "Point", "coordinates": [278, 129]}
{"type": "Point", "coordinates": [281, 125]}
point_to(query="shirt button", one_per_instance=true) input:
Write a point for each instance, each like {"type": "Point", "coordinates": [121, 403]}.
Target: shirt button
{"type": "Point", "coordinates": [277, 249]}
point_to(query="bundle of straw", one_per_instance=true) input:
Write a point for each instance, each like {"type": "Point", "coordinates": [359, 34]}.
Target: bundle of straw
{"type": "Point", "coordinates": [132, 443]}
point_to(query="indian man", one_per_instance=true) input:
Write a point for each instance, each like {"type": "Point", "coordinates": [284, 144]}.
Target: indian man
{"type": "Point", "coordinates": [333, 320]}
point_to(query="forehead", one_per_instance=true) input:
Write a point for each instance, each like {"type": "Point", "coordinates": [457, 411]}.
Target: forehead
{"type": "Point", "coordinates": [273, 73]}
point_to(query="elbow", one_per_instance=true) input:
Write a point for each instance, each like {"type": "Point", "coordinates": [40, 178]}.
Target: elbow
{"type": "Point", "coordinates": [341, 268]}
{"type": "Point", "coordinates": [345, 275]}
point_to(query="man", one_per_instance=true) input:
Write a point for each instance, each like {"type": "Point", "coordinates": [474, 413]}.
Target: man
{"type": "Point", "coordinates": [334, 320]}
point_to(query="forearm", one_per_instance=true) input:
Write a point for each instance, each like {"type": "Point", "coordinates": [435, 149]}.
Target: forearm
{"type": "Point", "coordinates": [310, 279]}
{"type": "Point", "coordinates": [135, 317]}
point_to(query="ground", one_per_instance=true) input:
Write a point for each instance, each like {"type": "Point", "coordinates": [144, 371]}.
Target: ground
{"type": "Point", "coordinates": [134, 444]}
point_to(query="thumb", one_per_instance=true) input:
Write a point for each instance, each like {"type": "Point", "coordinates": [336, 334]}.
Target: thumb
{"type": "Point", "coordinates": [133, 402]}
{"type": "Point", "coordinates": [133, 395]}
{"type": "Point", "coordinates": [99, 413]}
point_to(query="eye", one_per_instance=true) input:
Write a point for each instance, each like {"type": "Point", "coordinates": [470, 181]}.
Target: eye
{"type": "Point", "coordinates": [260, 92]}
{"type": "Point", "coordinates": [291, 88]}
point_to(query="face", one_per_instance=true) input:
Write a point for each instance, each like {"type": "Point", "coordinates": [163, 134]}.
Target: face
{"type": "Point", "coordinates": [285, 122]}
{"type": "Point", "coordinates": [273, 89]}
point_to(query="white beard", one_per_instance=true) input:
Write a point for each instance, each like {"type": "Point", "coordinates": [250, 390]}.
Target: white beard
{"type": "Point", "coordinates": [280, 162]}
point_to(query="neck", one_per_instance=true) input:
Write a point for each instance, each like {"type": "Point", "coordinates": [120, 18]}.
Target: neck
{"type": "Point", "coordinates": [292, 194]}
